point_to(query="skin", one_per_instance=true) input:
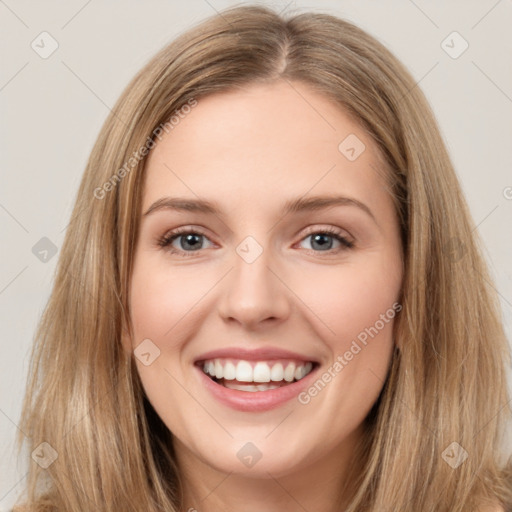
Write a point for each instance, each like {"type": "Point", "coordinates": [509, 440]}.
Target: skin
{"type": "Point", "coordinates": [250, 151]}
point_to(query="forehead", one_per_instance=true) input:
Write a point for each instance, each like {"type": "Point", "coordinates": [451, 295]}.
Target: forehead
{"type": "Point", "coordinates": [252, 147]}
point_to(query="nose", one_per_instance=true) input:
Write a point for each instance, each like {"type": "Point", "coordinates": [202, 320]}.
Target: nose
{"type": "Point", "coordinates": [254, 293]}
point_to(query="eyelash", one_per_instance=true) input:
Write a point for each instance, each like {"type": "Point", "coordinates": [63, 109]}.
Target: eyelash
{"type": "Point", "coordinates": [166, 240]}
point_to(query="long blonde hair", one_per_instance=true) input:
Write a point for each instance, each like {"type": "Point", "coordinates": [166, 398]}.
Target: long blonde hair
{"type": "Point", "coordinates": [447, 380]}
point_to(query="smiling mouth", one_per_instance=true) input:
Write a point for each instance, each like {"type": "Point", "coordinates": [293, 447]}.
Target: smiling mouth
{"type": "Point", "coordinates": [254, 376]}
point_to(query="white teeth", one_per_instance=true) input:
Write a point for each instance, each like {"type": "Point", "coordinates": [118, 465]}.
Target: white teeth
{"type": "Point", "coordinates": [229, 371]}
{"type": "Point", "coordinates": [243, 371]}
{"type": "Point", "coordinates": [264, 387]}
{"type": "Point", "coordinates": [240, 387]}
{"type": "Point", "coordinates": [289, 372]}
{"type": "Point", "coordinates": [218, 369]}
{"type": "Point", "coordinates": [277, 373]}
{"type": "Point", "coordinates": [249, 387]}
{"type": "Point", "coordinates": [261, 373]}
{"type": "Point", "coordinates": [302, 371]}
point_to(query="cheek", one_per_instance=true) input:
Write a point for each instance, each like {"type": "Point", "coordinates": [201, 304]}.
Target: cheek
{"type": "Point", "coordinates": [164, 307]}
{"type": "Point", "coordinates": [356, 305]}
{"type": "Point", "coordinates": [359, 305]}
{"type": "Point", "coordinates": [163, 302]}
{"type": "Point", "coordinates": [350, 299]}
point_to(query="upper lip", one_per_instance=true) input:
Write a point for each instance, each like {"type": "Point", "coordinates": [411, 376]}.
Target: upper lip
{"type": "Point", "coordinates": [259, 354]}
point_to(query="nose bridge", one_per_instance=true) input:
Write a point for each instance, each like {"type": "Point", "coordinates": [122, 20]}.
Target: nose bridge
{"type": "Point", "coordinates": [253, 292]}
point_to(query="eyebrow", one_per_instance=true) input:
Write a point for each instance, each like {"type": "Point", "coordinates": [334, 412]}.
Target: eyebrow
{"type": "Point", "coordinates": [300, 204]}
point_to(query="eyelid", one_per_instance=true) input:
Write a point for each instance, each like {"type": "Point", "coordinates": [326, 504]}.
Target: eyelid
{"type": "Point", "coordinates": [333, 230]}
{"type": "Point", "coordinates": [169, 236]}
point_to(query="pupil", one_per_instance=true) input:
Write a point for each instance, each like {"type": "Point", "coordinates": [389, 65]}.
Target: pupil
{"type": "Point", "coordinates": [190, 239]}
{"type": "Point", "coordinates": [322, 236]}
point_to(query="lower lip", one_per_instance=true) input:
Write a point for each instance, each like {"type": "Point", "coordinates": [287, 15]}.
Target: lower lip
{"type": "Point", "coordinates": [256, 401]}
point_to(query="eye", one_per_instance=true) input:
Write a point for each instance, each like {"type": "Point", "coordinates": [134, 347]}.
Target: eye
{"type": "Point", "coordinates": [187, 239]}
{"type": "Point", "coordinates": [190, 241]}
{"type": "Point", "coordinates": [322, 240]}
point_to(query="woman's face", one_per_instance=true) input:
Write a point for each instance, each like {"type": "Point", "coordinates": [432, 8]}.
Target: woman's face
{"type": "Point", "coordinates": [274, 283]}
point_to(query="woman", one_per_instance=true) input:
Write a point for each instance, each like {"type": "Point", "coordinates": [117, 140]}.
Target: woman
{"type": "Point", "coordinates": [201, 350]}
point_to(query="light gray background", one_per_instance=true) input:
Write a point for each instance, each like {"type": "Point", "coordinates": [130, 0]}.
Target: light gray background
{"type": "Point", "coordinates": [52, 110]}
